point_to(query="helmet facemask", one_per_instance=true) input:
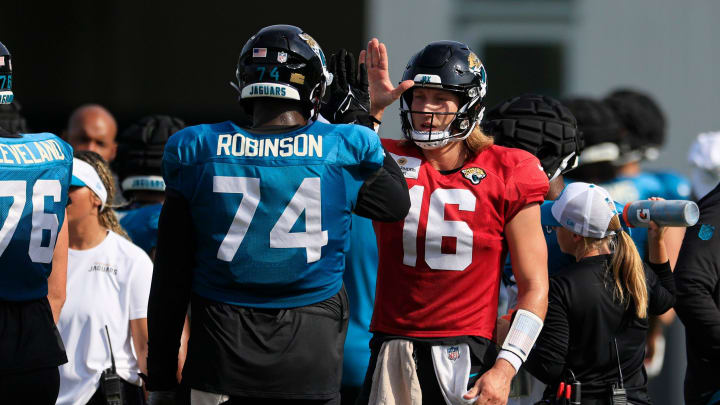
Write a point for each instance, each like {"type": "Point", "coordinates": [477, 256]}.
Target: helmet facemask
{"type": "Point", "coordinates": [465, 119]}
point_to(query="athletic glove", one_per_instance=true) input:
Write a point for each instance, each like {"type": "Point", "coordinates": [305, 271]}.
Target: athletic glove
{"type": "Point", "coordinates": [347, 100]}
{"type": "Point", "coordinates": [161, 398]}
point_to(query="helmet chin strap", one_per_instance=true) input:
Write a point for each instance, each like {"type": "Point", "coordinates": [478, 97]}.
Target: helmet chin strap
{"type": "Point", "coordinates": [446, 137]}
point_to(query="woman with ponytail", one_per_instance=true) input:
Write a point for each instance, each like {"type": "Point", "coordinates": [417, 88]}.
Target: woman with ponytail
{"type": "Point", "coordinates": [108, 285]}
{"type": "Point", "coordinates": [597, 318]}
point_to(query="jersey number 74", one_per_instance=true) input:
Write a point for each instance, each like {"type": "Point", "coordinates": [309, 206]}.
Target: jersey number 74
{"type": "Point", "coordinates": [306, 198]}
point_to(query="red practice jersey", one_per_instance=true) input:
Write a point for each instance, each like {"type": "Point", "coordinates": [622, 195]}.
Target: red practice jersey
{"type": "Point", "coordinates": [439, 270]}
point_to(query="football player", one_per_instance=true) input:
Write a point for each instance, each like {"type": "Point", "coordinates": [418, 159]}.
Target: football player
{"type": "Point", "coordinates": [10, 118]}
{"type": "Point", "coordinates": [439, 269]}
{"type": "Point", "coordinates": [645, 131]}
{"type": "Point", "coordinates": [547, 129]}
{"type": "Point", "coordinates": [35, 173]}
{"type": "Point", "coordinates": [253, 233]}
{"type": "Point", "coordinates": [138, 166]}
{"type": "Point", "coordinates": [544, 127]}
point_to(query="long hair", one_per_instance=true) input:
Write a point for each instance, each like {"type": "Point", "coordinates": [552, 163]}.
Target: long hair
{"type": "Point", "coordinates": [106, 216]}
{"type": "Point", "coordinates": [627, 268]}
{"type": "Point", "coordinates": [477, 141]}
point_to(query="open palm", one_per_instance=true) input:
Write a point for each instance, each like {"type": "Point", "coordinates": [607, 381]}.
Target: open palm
{"type": "Point", "coordinates": [382, 91]}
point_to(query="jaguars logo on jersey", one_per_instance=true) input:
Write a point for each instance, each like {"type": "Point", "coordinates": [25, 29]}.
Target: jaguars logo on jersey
{"type": "Point", "coordinates": [474, 174]}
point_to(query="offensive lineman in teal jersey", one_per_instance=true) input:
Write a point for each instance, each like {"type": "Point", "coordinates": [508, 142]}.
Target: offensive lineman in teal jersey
{"type": "Point", "coordinates": [35, 173]}
{"type": "Point", "coordinates": [254, 231]}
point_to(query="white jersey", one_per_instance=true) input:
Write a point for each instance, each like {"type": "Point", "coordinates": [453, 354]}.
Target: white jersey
{"type": "Point", "coordinates": [108, 284]}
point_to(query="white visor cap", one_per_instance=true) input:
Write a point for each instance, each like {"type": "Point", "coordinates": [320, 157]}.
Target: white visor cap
{"type": "Point", "coordinates": [84, 175]}
{"type": "Point", "coordinates": [583, 208]}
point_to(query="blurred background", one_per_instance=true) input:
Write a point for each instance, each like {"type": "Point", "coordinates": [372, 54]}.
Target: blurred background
{"type": "Point", "coordinates": [138, 58]}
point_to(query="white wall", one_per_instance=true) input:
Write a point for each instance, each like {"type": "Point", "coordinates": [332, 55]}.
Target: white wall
{"type": "Point", "coordinates": [666, 47]}
{"type": "Point", "coordinates": [405, 26]}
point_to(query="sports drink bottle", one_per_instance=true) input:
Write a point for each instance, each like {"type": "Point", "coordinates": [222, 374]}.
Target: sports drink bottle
{"type": "Point", "coordinates": [677, 213]}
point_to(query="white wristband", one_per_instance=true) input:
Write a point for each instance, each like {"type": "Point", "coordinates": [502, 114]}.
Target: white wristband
{"type": "Point", "coordinates": [523, 332]}
{"type": "Point", "coordinates": [511, 358]}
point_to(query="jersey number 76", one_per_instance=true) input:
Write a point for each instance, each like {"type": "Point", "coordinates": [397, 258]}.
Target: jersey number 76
{"type": "Point", "coordinates": [41, 220]}
{"type": "Point", "coordinates": [306, 198]}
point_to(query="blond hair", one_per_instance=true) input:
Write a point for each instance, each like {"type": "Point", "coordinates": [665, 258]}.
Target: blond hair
{"type": "Point", "coordinates": [626, 266]}
{"type": "Point", "coordinates": [106, 216]}
{"type": "Point", "coordinates": [477, 141]}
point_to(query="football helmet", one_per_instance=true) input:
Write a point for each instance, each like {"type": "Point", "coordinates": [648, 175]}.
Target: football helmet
{"type": "Point", "coordinates": [540, 125]}
{"type": "Point", "coordinates": [6, 94]}
{"type": "Point", "coordinates": [140, 151]}
{"type": "Point", "coordinates": [283, 61]}
{"type": "Point", "coordinates": [450, 66]}
{"type": "Point", "coordinates": [601, 129]}
{"type": "Point", "coordinates": [643, 121]}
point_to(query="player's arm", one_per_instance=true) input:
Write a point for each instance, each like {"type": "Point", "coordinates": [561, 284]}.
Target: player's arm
{"type": "Point", "coordinates": [529, 261]}
{"type": "Point", "coordinates": [170, 291]}
{"type": "Point", "coordinates": [382, 91]}
{"type": "Point", "coordinates": [58, 276]}
{"type": "Point", "coordinates": [384, 194]}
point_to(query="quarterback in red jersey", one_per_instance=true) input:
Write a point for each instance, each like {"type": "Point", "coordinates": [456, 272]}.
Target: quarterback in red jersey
{"type": "Point", "coordinates": [439, 269]}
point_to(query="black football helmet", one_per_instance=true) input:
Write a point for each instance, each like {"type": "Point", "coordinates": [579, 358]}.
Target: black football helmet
{"type": "Point", "coordinates": [643, 121]}
{"type": "Point", "coordinates": [540, 125]}
{"type": "Point", "coordinates": [283, 61]}
{"type": "Point", "coordinates": [451, 66]}
{"type": "Point", "coordinates": [140, 151]}
{"type": "Point", "coordinates": [6, 94]}
{"type": "Point", "coordinates": [601, 129]}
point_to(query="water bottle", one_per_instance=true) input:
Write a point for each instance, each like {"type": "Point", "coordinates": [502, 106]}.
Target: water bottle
{"type": "Point", "coordinates": [678, 213]}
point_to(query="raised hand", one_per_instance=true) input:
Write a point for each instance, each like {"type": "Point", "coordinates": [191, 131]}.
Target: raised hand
{"type": "Point", "coordinates": [382, 91]}
{"type": "Point", "coordinates": [346, 99]}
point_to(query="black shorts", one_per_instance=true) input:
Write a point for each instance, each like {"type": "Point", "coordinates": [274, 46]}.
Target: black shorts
{"type": "Point", "coordinates": [293, 353]}
{"type": "Point", "coordinates": [39, 387]}
{"type": "Point", "coordinates": [29, 339]}
{"type": "Point", "coordinates": [483, 353]}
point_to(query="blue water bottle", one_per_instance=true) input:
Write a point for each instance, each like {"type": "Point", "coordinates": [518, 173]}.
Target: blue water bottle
{"type": "Point", "coordinates": [677, 213]}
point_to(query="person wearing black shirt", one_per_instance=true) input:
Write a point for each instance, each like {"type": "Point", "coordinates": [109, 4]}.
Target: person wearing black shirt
{"type": "Point", "coordinates": [599, 303]}
{"type": "Point", "coordinates": [698, 303]}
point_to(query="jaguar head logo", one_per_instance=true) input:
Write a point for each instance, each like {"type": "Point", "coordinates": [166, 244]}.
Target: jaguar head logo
{"type": "Point", "coordinates": [474, 174]}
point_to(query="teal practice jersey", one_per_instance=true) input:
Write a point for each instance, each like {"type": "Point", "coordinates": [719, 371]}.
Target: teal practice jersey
{"type": "Point", "coordinates": [271, 212]}
{"type": "Point", "coordinates": [141, 225]}
{"type": "Point", "coordinates": [35, 172]}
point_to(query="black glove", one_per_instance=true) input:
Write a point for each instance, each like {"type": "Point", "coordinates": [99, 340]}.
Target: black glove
{"type": "Point", "coordinates": [347, 99]}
